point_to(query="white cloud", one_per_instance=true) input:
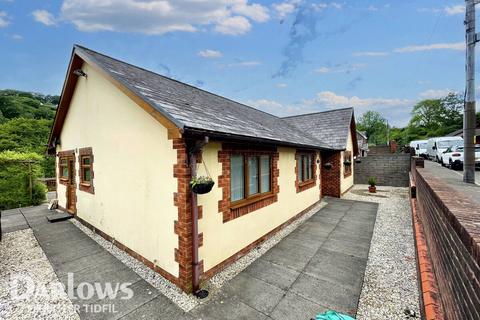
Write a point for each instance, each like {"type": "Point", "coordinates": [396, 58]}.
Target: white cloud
{"type": "Point", "coordinates": [17, 37]}
{"type": "Point", "coordinates": [156, 17]}
{"type": "Point", "coordinates": [285, 8]}
{"type": "Point", "coordinates": [281, 85]}
{"type": "Point", "coordinates": [45, 17]}
{"type": "Point", "coordinates": [331, 100]}
{"type": "Point", "coordinates": [454, 10]}
{"type": "Point", "coordinates": [210, 54]}
{"type": "Point", "coordinates": [252, 63]}
{"type": "Point", "coordinates": [435, 46]}
{"type": "Point", "coordinates": [4, 19]}
{"type": "Point", "coordinates": [370, 54]}
{"type": "Point", "coordinates": [343, 68]}
{"type": "Point", "coordinates": [435, 93]}
{"type": "Point", "coordinates": [372, 8]}
{"type": "Point", "coordinates": [233, 25]}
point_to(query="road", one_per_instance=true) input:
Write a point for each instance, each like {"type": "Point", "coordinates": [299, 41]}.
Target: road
{"type": "Point", "coordinates": [458, 172]}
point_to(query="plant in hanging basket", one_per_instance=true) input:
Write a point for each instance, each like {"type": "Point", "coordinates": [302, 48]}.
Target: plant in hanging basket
{"type": "Point", "coordinates": [202, 184]}
{"type": "Point", "coordinates": [327, 165]}
{"type": "Point", "coordinates": [347, 162]}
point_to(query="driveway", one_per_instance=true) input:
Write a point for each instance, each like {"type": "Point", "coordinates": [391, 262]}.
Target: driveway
{"type": "Point", "coordinates": [319, 266]}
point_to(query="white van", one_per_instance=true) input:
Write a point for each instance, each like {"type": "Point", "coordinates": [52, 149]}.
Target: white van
{"type": "Point", "coordinates": [436, 146]}
{"type": "Point", "coordinates": [420, 147]}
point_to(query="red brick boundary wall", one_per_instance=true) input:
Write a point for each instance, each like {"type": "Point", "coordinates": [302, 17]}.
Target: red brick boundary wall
{"type": "Point", "coordinates": [451, 225]}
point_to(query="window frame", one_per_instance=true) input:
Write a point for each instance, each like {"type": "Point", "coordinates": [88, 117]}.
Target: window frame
{"type": "Point", "coordinates": [347, 170]}
{"type": "Point", "coordinates": [301, 164]}
{"type": "Point", "coordinates": [84, 185]}
{"type": "Point", "coordinates": [66, 155]}
{"type": "Point", "coordinates": [248, 199]}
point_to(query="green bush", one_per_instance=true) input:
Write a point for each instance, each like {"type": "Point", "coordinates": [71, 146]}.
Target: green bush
{"type": "Point", "coordinates": [15, 179]}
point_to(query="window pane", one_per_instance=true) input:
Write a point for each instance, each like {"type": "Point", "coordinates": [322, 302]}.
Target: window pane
{"type": "Point", "coordinates": [299, 168]}
{"type": "Point", "coordinates": [265, 172]}
{"type": "Point", "coordinates": [252, 175]}
{"type": "Point", "coordinates": [86, 160]}
{"type": "Point", "coordinates": [87, 175]}
{"type": "Point", "coordinates": [236, 177]}
{"type": "Point", "coordinates": [63, 162]}
{"type": "Point", "coordinates": [310, 167]}
{"type": "Point", "coordinates": [64, 171]}
{"type": "Point", "coordinates": [305, 165]}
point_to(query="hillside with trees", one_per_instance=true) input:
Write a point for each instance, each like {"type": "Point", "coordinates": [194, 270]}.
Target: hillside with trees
{"type": "Point", "coordinates": [25, 121]}
{"type": "Point", "coordinates": [430, 118]}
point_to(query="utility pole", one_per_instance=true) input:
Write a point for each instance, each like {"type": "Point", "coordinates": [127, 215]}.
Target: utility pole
{"type": "Point", "coordinates": [469, 106]}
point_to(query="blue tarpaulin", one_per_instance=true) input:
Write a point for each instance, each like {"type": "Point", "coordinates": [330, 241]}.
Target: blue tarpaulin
{"type": "Point", "coordinates": [332, 315]}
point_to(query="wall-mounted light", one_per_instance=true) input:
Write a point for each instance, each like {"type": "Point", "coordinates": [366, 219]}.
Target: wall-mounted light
{"type": "Point", "coordinates": [79, 73]}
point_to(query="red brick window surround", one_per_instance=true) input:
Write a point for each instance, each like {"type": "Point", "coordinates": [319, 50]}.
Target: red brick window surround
{"type": "Point", "coordinates": [85, 170]}
{"type": "Point", "coordinates": [249, 179]}
{"type": "Point", "coordinates": [305, 170]}
{"type": "Point", "coordinates": [63, 158]}
{"type": "Point", "coordinates": [347, 168]}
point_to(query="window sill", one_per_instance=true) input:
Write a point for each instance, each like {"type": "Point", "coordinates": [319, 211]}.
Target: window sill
{"type": "Point", "coordinates": [246, 202]}
{"type": "Point", "coordinates": [63, 181]}
{"type": "Point", "coordinates": [239, 209]}
{"type": "Point", "coordinates": [346, 175]}
{"type": "Point", "coordinates": [302, 186]}
{"type": "Point", "coordinates": [306, 183]}
{"type": "Point", "coordinates": [86, 187]}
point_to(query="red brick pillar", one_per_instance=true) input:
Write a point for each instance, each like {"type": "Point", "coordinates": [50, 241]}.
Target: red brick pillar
{"type": "Point", "coordinates": [331, 170]}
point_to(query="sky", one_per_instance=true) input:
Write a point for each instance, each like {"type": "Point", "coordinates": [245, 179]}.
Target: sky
{"type": "Point", "coordinates": [283, 57]}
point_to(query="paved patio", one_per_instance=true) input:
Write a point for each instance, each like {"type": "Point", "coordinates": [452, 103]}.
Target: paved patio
{"type": "Point", "coordinates": [319, 266]}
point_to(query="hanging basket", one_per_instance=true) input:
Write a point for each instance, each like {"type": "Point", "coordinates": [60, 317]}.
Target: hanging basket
{"type": "Point", "coordinates": [202, 187]}
{"type": "Point", "coordinates": [347, 163]}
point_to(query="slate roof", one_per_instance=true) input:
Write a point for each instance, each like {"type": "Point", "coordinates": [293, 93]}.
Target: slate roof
{"type": "Point", "coordinates": [330, 126]}
{"type": "Point", "coordinates": [192, 108]}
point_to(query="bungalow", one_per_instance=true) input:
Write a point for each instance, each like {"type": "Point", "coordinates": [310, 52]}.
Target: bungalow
{"type": "Point", "coordinates": [128, 141]}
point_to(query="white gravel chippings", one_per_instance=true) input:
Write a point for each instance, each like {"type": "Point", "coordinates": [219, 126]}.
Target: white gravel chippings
{"type": "Point", "coordinates": [29, 288]}
{"type": "Point", "coordinates": [390, 285]}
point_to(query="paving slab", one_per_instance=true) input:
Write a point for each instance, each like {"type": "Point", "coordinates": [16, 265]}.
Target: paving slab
{"type": "Point", "coordinates": [295, 307]}
{"type": "Point", "coordinates": [223, 308]}
{"type": "Point", "coordinates": [159, 308]}
{"type": "Point", "coordinates": [333, 295]}
{"type": "Point", "coordinates": [256, 293]}
{"type": "Point", "coordinates": [274, 274]}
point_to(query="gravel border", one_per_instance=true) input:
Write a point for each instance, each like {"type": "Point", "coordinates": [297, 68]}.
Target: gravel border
{"type": "Point", "coordinates": [187, 301]}
{"type": "Point", "coordinates": [390, 285]}
{"type": "Point", "coordinates": [22, 258]}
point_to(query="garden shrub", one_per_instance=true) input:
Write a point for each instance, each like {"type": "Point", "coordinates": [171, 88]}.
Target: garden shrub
{"type": "Point", "coordinates": [14, 179]}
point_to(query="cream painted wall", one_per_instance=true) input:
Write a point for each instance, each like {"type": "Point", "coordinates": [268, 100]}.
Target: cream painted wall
{"type": "Point", "coordinates": [222, 240]}
{"type": "Point", "coordinates": [133, 169]}
{"type": "Point", "coordinates": [346, 183]}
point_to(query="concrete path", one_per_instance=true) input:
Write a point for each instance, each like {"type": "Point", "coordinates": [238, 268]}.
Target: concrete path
{"type": "Point", "coordinates": [455, 180]}
{"type": "Point", "coordinates": [319, 266]}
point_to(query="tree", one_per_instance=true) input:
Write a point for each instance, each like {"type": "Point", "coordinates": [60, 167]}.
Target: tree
{"type": "Point", "coordinates": [375, 126]}
{"type": "Point", "coordinates": [28, 135]}
{"type": "Point", "coordinates": [19, 185]}
{"type": "Point", "coordinates": [436, 117]}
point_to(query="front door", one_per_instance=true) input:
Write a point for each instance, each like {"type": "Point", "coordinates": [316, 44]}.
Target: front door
{"type": "Point", "coordinates": [71, 187]}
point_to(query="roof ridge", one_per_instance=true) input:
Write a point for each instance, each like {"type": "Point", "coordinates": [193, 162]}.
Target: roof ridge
{"type": "Point", "coordinates": [178, 81]}
{"type": "Point", "coordinates": [318, 112]}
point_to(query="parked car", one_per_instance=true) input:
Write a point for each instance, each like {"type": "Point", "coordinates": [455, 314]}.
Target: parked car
{"type": "Point", "coordinates": [452, 157]}
{"type": "Point", "coordinates": [436, 146]}
{"type": "Point", "coordinates": [420, 147]}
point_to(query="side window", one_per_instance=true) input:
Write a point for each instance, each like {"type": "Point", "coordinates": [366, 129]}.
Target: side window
{"type": "Point", "coordinates": [85, 171]}
{"type": "Point", "coordinates": [250, 176]}
{"type": "Point", "coordinates": [347, 163]}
